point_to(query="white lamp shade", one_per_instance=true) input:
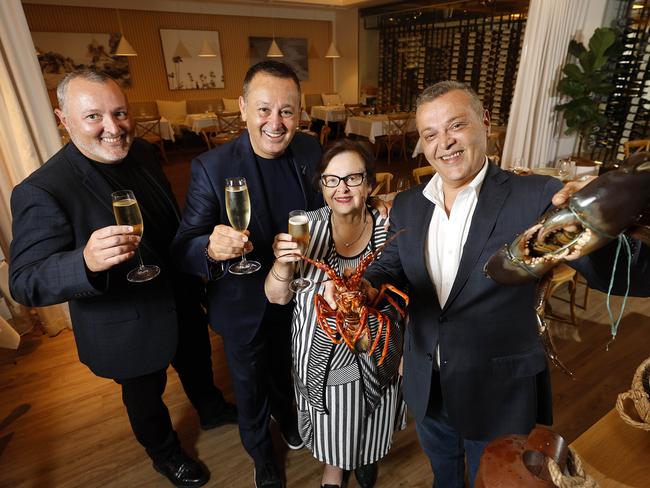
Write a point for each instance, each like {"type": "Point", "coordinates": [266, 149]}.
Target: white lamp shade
{"type": "Point", "coordinates": [274, 51]}
{"type": "Point", "coordinates": [124, 48]}
{"type": "Point", "coordinates": [332, 52]}
{"type": "Point", "coordinates": [181, 51]}
{"type": "Point", "coordinates": [206, 50]}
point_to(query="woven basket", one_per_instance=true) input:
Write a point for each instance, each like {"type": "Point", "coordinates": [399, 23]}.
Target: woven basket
{"type": "Point", "coordinates": [638, 417]}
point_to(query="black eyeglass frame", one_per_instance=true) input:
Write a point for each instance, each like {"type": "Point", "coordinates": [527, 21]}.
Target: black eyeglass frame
{"type": "Point", "coordinates": [345, 179]}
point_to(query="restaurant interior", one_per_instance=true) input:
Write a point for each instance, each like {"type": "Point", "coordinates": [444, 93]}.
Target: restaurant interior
{"type": "Point", "coordinates": [361, 66]}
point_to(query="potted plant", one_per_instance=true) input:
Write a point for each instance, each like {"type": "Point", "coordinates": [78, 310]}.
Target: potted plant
{"type": "Point", "coordinates": [587, 83]}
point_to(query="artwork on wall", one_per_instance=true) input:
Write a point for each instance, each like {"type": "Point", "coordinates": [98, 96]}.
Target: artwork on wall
{"type": "Point", "coordinates": [60, 53]}
{"type": "Point", "coordinates": [293, 48]}
{"type": "Point", "coordinates": [186, 70]}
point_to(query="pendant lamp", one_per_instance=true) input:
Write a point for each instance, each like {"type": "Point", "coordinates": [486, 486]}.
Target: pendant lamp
{"type": "Point", "coordinates": [124, 47]}
{"type": "Point", "coordinates": [332, 52]}
{"type": "Point", "coordinates": [274, 50]}
{"type": "Point", "coordinates": [206, 50]}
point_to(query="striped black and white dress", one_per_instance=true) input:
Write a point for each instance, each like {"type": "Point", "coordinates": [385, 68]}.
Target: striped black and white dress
{"type": "Point", "coordinates": [348, 406]}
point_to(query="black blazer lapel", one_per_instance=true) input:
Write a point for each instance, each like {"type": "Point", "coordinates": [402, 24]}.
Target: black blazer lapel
{"type": "Point", "coordinates": [419, 229]}
{"type": "Point", "coordinates": [493, 195]}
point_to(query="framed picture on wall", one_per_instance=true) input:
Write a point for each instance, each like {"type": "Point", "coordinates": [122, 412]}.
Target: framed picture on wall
{"type": "Point", "coordinates": [293, 48]}
{"type": "Point", "coordinates": [185, 69]}
{"type": "Point", "coordinates": [60, 53]}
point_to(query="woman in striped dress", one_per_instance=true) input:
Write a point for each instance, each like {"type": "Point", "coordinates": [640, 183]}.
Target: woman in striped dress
{"type": "Point", "coordinates": [348, 405]}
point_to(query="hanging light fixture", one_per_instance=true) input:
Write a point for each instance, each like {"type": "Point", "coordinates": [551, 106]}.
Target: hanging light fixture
{"type": "Point", "coordinates": [124, 48]}
{"type": "Point", "coordinates": [274, 50]}
{"type": "Point", "coordinates": [332, 52]}
{"type": "Point", "coordinates": [206, 50]}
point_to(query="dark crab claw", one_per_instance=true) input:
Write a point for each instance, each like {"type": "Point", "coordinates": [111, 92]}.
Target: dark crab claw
{"type": "Point", "coordinates": [503, 267]}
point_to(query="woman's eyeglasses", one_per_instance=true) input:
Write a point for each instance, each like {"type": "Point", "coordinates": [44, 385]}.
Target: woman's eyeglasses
{"type": "Point", "coordinates": [332, 181]}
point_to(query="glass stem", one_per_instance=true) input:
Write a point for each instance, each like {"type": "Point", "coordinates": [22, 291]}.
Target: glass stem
{"type": "Point", "coordinates": [243, 257]}
{"type": "Point", "coordinates": [137, 251]}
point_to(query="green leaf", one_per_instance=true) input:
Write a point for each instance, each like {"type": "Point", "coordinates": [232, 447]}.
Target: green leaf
{"type": "Point", "coordinates": [573, 71]}
{"type": "Point", "coordinates": [601, 40]}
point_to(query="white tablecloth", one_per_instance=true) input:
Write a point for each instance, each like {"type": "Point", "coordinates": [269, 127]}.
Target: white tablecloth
{"type": "Point", "coordinates": [328, 113]}
{"type": "Point", "coordinates": [371, 126]}
{"type": "Point", "coordinates": [198, 121]}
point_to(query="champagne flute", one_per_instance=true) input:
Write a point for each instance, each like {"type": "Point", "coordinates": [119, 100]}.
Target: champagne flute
{"type": "Point", "coordinates": [299, 230]}
{"type": "Point", "coordinates": [127, 212]}
{"type": "Point", "coordinates": [402, 184]}
{"type": "Point", "coordinates": [238, 208]}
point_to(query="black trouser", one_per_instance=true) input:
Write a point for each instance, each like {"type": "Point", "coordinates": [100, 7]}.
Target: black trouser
{"type": "Point", "coordinates": [148, 415]}
{"type": "Point", "coordinates": [261, 375]}
{"type": "Point", "coordinates": [142, 395]}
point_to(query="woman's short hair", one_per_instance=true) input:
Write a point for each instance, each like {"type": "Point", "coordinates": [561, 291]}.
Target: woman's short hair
{"type": "Point", "coordinates": [343, 146]}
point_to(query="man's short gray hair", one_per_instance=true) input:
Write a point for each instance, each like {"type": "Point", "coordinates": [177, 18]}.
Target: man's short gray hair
{"type": "Point", "coordinates": [443, 87]}
{"type": "Point", "coordinates": [86, 74]}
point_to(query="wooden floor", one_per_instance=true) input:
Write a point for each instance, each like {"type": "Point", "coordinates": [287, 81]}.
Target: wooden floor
{"type": "Point", "coordinates": [62, 427]}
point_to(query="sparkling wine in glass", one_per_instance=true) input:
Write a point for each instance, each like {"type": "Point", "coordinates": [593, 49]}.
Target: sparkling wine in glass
{"type": "Point", "coordinates": [127, 212]}
{"type": "Point", "coordinates": [238, 208]}
{"type": "Point", "coordinates": [299, 230]}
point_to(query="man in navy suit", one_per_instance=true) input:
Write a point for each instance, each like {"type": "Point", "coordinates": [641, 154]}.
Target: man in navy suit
{"type": "Point", "coordinates": [474, 367]}
{"type": "Point", "coordinates": [278, 163]}
{"type": "Point", "coordinates": [67, 248]}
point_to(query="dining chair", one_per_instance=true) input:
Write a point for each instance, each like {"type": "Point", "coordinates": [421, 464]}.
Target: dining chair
{"type": "Point", "coordinates": [395, 129]}
{"type": "Point", "coordinates": [148, 128]}
{"type": "Point", "coordinates": [324, 135]}
{"type": "Point", "coordinates": [560, 275]}
{"type": "Point", "coordinates": [494, 147]}
{"type": "Point", "coordinates": [382, 184]}
{"type": "Point", "coordinates": [213, 136]}
{"type": "Point", "coordinates": [419, 173]}
{"type": "Point", "coordinates": [229, 123]}
{"type": "Point", "coordinates": [635, 146]}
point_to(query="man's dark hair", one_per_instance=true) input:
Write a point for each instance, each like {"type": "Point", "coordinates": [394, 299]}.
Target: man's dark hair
{"type": "Point", "coordinates": [343, 146]}
{"type": "Point", "coordinates": [86, 74]}
{"type": "Point", "coordinates": [273, 68]}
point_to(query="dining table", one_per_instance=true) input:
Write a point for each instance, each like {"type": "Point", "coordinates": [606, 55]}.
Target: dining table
{"type": "Point", "coordinates": [328, 113]}
{"type": "Point", "coordinates": [372, 126]}
{"type": "Point", "coordinates": [614, 453]}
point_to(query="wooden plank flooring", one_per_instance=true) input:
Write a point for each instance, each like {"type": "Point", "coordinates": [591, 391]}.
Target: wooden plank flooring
{"type": "Point", "coordinates": [62, 427]}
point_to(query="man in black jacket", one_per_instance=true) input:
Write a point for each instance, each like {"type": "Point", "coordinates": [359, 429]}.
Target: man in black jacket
{"type": "Point", "coordinates": [66, 247]}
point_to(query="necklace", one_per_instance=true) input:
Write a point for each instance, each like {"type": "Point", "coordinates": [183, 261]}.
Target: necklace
{"type": "Point", "coordinates": [365, 224]}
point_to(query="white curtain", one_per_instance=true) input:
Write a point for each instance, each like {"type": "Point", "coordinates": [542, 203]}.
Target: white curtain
{"type": "Point", "coordinates": [534, 127]}
{"type": "Point", "coordinates": [28, 132]}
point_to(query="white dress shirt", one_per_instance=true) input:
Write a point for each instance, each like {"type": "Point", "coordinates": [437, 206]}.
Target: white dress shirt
{"type": "Point", "coordinates": [447, 234]}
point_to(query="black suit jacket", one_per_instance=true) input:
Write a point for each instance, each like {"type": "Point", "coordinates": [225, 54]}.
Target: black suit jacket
{"type": "Point", "coordinates": [236, 304]}
{"type": "Point", "coordinates": [122, 329]}
{"type": "Point", "coordinates": [493, 372]}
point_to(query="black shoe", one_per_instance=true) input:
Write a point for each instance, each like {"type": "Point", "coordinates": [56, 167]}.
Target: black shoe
{"type": "Point", "coordinates": [366, 475]}
{"type": "Point", "coordinates": [183, 471]}
{"type": "Point", "coordinates": [226, 415]}
{"type": "Point", "coordinates": [290, 434]}
{"type": "Point", "coordinates": [267, 476]}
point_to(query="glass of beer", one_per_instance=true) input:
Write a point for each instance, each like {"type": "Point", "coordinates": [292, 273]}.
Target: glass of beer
{"type": "Point", "coordinates": [127, 212]}
{"type": "Point", "coordinates": [299, 230]}
{"type": "Point", "coordinates": [238, 208]}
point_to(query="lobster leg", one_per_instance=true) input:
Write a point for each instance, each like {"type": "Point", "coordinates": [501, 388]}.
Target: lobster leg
{"type": "Point", "coordinates": [543, 329]}
{"type": "Point", "coordinates": [340, 327]}
{"type": "Point", "coordinates": [323, 311]}
{"type": "Point", "coordinates": [383, 295]}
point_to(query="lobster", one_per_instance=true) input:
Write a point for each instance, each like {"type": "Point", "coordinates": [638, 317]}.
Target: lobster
{"type": "Point", "coordinates": [354, 307]}
{"type": "Point", "coordinates": [610, 205]}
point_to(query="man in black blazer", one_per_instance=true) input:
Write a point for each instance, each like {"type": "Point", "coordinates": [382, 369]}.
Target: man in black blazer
{"type": "Point", "coordinates": [278, 163]}
{"type": "Point", "coordinates": [474, 367]}
{"type": "Point", "coordinates": [66, 247]}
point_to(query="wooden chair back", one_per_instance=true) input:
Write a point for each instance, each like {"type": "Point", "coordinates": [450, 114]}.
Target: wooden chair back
{"type": "Point", "coordinates": [419, 173]}
{"type": "Point", "coordinates": [382, 184]}
{"type": "Point", "coordinates": [148, 128]}
{"type": "Point", "coordinates": [635, 146]}
{"type": "Point", "coordinates": [229, 122]}
{"type": "Point", "coordinates": [324, 135]}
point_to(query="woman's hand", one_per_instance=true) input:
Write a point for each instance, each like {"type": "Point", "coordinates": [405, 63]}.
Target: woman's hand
{"type": "Point", "coordinates": [285, 249]}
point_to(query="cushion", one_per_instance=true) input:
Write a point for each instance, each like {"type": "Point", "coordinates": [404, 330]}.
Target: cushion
{"type": "Point", "coordinates": [231, 105]}
{"type": "Point", "coordinates": [331, 99]}
{"type": "Point", "coordinates": [172, 110]}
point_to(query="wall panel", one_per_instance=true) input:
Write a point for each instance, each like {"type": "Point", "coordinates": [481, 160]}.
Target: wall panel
{"type": "Point", "coordinates": [148, 73]}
